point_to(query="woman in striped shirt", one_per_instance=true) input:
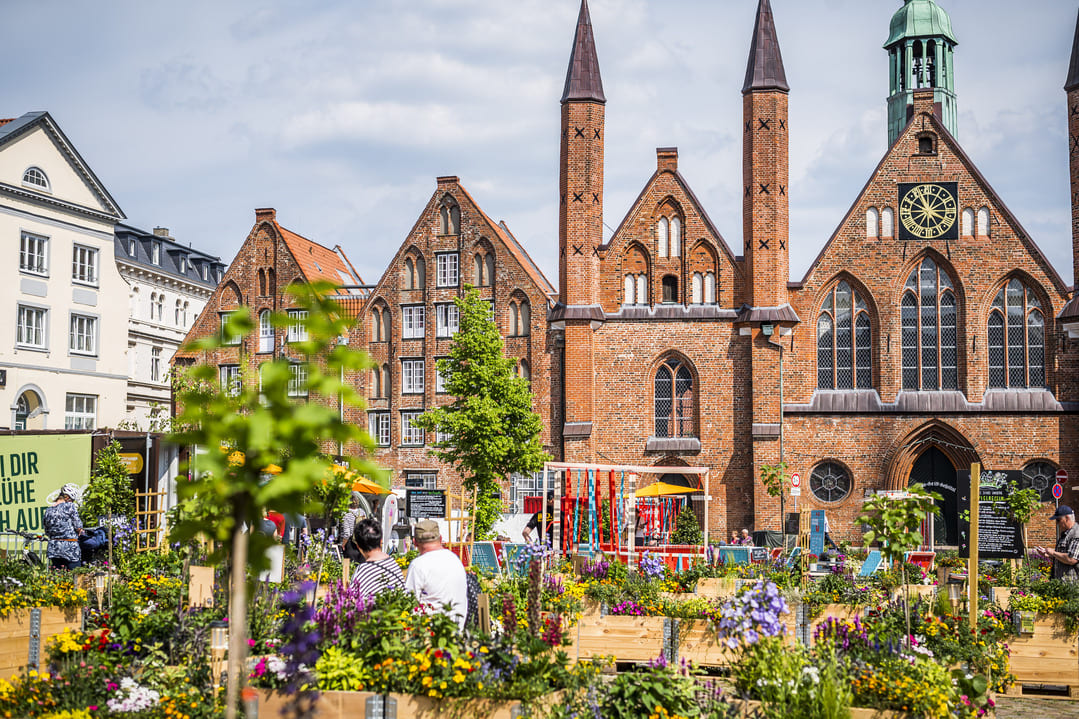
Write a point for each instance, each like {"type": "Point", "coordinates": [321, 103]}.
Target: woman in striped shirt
{"type": "Point", "coordinates": [379, 571]}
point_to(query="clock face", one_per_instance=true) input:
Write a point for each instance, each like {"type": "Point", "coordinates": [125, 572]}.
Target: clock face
{"type": "Point", "coordinates": [928, 211]}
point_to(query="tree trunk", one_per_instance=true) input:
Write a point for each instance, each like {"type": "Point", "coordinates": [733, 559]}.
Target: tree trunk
{"type": "Point", "coordinates": [237, 622]}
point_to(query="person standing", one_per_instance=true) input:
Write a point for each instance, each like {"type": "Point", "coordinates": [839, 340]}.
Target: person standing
{"type": "Point", "coordinates": [1065, 556]}
{"type": "Point", "coordinates": [437, 577]}
{"type": "Point", "coordinates": [548, 522]}
{"type": "Point", "coordinates": [348, 525]}
{"type": "Point", "coordinates": [379, 571]}
{"type": "Point", "coordinates": [63, 526]}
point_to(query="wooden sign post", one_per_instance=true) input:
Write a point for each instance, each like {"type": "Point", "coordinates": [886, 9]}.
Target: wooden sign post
{"type": "Point", "coordinates": [972, 561]}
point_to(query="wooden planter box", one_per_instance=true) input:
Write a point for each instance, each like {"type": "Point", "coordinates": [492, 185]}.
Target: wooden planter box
{"type": "Point", "coordinates": [839, 611]}
{"type": "Point", "coordinates": [713, 587]}
{"type": "Point", "coordinates": [697, 643]}
{"type": "Point", "coordinates": [353, 705]}
{"type": "Point", "coordinates": [15, 635]}
{"type": "Point", "coordinates": [927, 591]}
{"type": "Point", "coordinates": [855, 712]}
{"type": "Point", "coordinates": [628, 639]}
{"type": "Point", "coordinates": [1049, 656]}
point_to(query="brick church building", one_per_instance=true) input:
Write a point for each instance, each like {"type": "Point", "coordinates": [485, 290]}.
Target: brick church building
{"type": "Point", "coordinates": [929, 333]}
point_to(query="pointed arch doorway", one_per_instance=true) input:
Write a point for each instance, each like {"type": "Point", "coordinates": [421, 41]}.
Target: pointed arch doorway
{"type": "Point", "coordinates": [935, 472]}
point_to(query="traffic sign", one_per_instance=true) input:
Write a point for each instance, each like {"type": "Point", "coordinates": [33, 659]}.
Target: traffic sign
{"type": "Point", "coordinates": [796, 480]}
{"type": "Point", "coordinates": [796, 491]}
{"type": "Point", "coordinates": [1058, 491]}
{"type": "Point", "coordinates": [1062, 475]}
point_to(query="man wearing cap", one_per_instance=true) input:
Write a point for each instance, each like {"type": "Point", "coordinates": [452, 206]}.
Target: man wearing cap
{"type": "Point", "coordinates": [437, 577]}
{"type": "Point", "coordinates": [1066, 555]}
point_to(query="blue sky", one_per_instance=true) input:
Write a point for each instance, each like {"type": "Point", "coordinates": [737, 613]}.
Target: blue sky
{"type": "Point", "coordinates": [341, 114]}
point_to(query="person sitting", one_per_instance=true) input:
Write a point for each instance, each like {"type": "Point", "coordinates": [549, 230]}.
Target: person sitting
{"type": "Point", "coordinates": [735, 539]}
{"type": "Point", "coordinates": [63, 526]}
{"type": "Point", "coordinates": [437, 577]}
{"type": "Point", "coordinates": [379, 571]}
{"type": "Point", "coordinates": [747, 540]}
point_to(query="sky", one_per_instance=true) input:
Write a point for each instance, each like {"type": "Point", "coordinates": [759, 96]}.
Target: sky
{"type": "Point", "coordinates": [341, 113]}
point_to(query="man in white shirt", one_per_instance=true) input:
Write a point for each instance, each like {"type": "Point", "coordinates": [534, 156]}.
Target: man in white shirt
{"type": "Point", "coordinates": [437, 577]}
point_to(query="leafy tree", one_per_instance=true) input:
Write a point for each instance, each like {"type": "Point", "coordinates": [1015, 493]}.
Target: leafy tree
{"type": "Point", "coordinates": [687, 529]}
{"type": "Point", "coordinates": [110, 493]}
{"type": "Point", "coordinates": [240, 433]}
{"type": "Point", "coordinates": [1022, 505]}
{"type": "Point", "coordinates": [774, 477]}
{"type": "Point", "coordinates": [492, 430]}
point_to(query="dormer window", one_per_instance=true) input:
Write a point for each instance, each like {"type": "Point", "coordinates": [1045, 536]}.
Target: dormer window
{"type": "Point", "coordinates": [205, 273]}
{"type": "Point", "coordinates": [132, 247]}
{"type": "Point", "coordinates": [34, 177]}
{"type": "Point", "coordinates": [155, 253]}
{"type": "Point", "coordinates": [183, 265]}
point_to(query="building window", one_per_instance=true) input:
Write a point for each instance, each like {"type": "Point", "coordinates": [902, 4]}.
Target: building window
{"type": "Point", "coordinates": [447, 320]}
{"type": "Point", "coordinates": [674, 400]}
{"type": "Point", "coordinates": [411, 435]}
{"type": "Point", "coordinates": [183, 264]}
{"type": "Point", "coordinates": [844, 341]}
{"type": "Point", "coordinates": [297, 381]}
{"type": "Point", "coordinates": [378, 426]}
{"type": "Point", "coordinates": [155, 253]}
{"type": "Point", "coordinates": [446, 267]}
{"type": "Point", "coordinates": [157, 306]}
{"type": "Point", "coordinates": [179, 308]}
{"type": "Point", "coordinates": [34, 177]}
{"type": "Point", "coordinates": [30, 330]}
{"type": "Point", "coordinates": [410, 274]}
{"type": "Point", "coordinates": [266, 333]}
{"type": "Point", "coordinates": [83, 339]}
{"type": "Point", "coordinates": [84, 265]}
{"type": "Point", "coordinates": [670, 288]}
{"type": "Point", "coordinates": [27, 407]}
{"type": "Point", "coordinates": [522, 486]}
{"type": "Point", "coordinates": [81, 412]}
{"type": "Point", "coordinates": [1040, 476]}
{"type": "Point", "coordinates": [421, 480]}
{"type": "Point", "coordinates": [872, 223]}
{"type": "Point", "coordinates": [297, 328]}
{"type": "Point", "coordinates": [668, 237]}
{"type": "Point", "coordinates": [636, 289]}
{"type": "Point", "coordinates": [1016, 338]}
{"type": "Point", "coordinates": [155, 364]}
{"type": "Point", "coordinates": [449, 215]}
{"type": "Point", "coordinates": [704, 288]}
{"type": "Point", "coordinates": [33, 254]}
{"type": "Point", "coordinates": [966, 222]}
{"type": "Point", "coordinates": [523, 370]}
{"type": "Point", "coordinates": [444, 438]}
{"type": "Point", "coordinates": [489, 268]}
{"type": "Point", "coordinates": [887, 222]}
{"type": "Point", "coordinates": [983, 222]}
{"type": "Point", "coordinates": [412, 376]}
{"type": "Point", "coordinates": [928, 315]}
{"type": "Point", "coordinates": [205, 273]}
{"type": "Point", "coordinates": [229, 374]}
{"type": "Point", "coordinates": [132, 247]}
{"type": "Point", "coordinates": [225, 337]}
{"type": "Point", "coordinates": [440, 378]}
{"type": "Point", "coordinates": [521, 319]}
{"type": "Point", "coordinates": [412, 321]}
{"type": "Point", "coordinates": [829, 482]}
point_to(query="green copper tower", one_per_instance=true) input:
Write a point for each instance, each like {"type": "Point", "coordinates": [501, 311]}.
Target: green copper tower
{"type": "Point", "coordinates": [920, 49]}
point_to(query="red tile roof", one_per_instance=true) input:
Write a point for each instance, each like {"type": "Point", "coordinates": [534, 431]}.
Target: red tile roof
{"type": "Point", "coordinates": [5, 121]}
{"type": "Point", "coordinates": [318, 262]}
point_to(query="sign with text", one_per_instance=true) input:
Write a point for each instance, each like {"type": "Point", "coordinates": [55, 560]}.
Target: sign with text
{"type": "Point", "coordinates": [33, 468]}
{"type": "Point", "coordinates": [998, 536]}
{"type": "Point", "coordinates": [816, 532]}
{"type": "Point", "coordinates": [425, 503]}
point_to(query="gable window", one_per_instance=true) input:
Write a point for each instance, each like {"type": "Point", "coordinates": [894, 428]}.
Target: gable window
{"type": "Point", "coordinates": [33, 254]}
{"type": "Point", "coordinates": [844, 341]}
{"type": "Point", "coordinates": [30, 327]}
{"type": "Point", "coordinates": [34, 177]}
{"type": "Point", "coordinates": [380, 326]}
{"type": "Point", "coordinates": [183, 264]}
{"type": "Point", "coordinates": [703, 290]}
{"type": "Point", "coordinates": [266, 333]}
{"type": "Point", "coordinates": [670, 288]}
{"type": "Point", "coordinates": [523, 314]}
{"type": "Point", "coordinates": [673, 400]}
{"type": "Point", "coordinates": [132, 247]}
{"type": "Point", "coordinates": [378, 426]}
{"type": "Point", "coordinates": [297, 328]}
{"type": "Point", "coordinates": [887, 222]}
{"type": "Point", "coordinates": [411, 435]}
{"type": "Point", "coordinates": [636, 289]}
{"type": "Point", "coordinates": [928, 316]}
{"type": "Point", "coordinates": [446, 266]}
{"type": "Point", "coordinates": [983, 222]}
{"type": "Point", "coordinates": [412, 376]}
{"type": "Point", "coordinates": [663, 230]}
{"type": "Point", "coordinates": [81, 411]}
{"type": "Point", "coordinates": [1016, 338]}
{"type": "Point", "coordinates": [927, 144]}
{"type": "Point", "coordinates": [84, 265]}
{"type": "Point", "coordinates": [447, 319]}
{"type": "Point", "coordinates": [83, 336]}
{"type": "Point", "coordinates": [872, 223]}
{"type": "Point", "coordinates": [449, 215]}
{"type": "Point", "coordinates": [228, 339]}
{"type": "Point", "coordinates": [412, 321]}
{"type": "Point", "coordinates": [966, 222]}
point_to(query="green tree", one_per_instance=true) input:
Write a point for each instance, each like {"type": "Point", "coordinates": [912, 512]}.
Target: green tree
{"type": "Point", "coordinates": [110, 493]}
{"type": "Point", "coordinates": [241, 432]}
{"type": "Point", "coordinates": [687, 529]}
{"type": "Point", "coordinates": [774, 477]}
{"type": "Point", "coordinates": [1022, 505]}
{"type": "Point", "coordinates": [490, 426]}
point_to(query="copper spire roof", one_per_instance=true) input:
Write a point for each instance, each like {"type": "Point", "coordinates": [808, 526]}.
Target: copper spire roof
{"type": "Point", "coordinates": [582, 77]}
{"type": "Point", "coordinates": [765, 68]}
{"type": "Point", "coordinates": [1073, 69]}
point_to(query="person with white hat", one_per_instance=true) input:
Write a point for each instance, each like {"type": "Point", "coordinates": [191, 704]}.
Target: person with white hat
{"type": "Point", "coordinates": [1065, 556]}
{"type": "Point", "coordinates": [437, 577]}
{"type": "Point", "coordinates": [63, 526]}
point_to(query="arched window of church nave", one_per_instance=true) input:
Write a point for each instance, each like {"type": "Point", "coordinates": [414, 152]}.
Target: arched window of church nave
{"type": "Point", "coordinates": [928, 315]}
{"type": "Point", "coordinates": [844, 340]}
{"type": "Point", "coordinates": [966, 223]}
{"type": "Point", "coordinates": [983, 222]}
{"type": "Point", "coordinates": [872, 223]}
{"type": "Point", "coordinates": [674, 400]}
{"type": "Point", "coordinates": [663, 229]}
{"type": "Point", "coordinates": [887, 223]}
{"type": "Point", "coordinates": [1016, 340]}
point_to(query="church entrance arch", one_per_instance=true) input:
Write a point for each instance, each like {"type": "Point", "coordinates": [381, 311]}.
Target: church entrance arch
{"type": "Point", "coordinates": [935, 472]}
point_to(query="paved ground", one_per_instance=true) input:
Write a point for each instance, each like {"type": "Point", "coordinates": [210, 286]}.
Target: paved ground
{"type": "Point", "coordinates": [1022, 708]}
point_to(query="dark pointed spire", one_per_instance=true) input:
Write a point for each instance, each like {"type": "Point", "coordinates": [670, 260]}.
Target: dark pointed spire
{"type": "Point", "coordinates": [582, 77]}
{"type": "Point", "coordinates": [1073, 69]}
{"type": "Point", "coordinates": [765, 69]}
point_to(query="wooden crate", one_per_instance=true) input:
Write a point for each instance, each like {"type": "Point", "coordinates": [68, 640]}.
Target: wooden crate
{"type": "Point", "coordinates": [15, 635]}
{"type": "Point", "coordinates": [838, 611]}
{"type": "Point", "coordinates": [349, 705]}
{"type": "Point", "coordinates": [697, 643]}
{"type": "Point", "coordinates": [627, 639]}
{"type": "Point", "coordinates": [713, 587]}
{"type": "Point", "coordinates": [1049, 656]}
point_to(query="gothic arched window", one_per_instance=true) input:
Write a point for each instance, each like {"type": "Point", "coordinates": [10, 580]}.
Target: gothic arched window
{"type": "Point", "coordinates": [929, 314]}
{"type": "Point", "coordinates": [1016, 338]}
{"type": "Point", "coordinates": [844, 341]}
{"type": "Point", "coordinates": [674, 408]}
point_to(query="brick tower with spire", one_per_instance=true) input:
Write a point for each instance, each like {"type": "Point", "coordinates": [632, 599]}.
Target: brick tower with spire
{"type": "Point", "coordinates": [580, 234]}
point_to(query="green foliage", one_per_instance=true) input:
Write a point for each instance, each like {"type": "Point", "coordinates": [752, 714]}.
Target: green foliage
{"type": "Point", "coordinates": [774, 477]}
{"type": "Point", "coordinates": [789, 682]}
{"type": "Point", "coordinates": [896, 522]}
{"type": "Point", "coordinates": [1022, 504]}
{"type": "Point", "coordinates": [687, 528]}
{"type": "Point", "coordinates": [492, 430]}
{"type": "Point", "coordinates": [110, 492]}
{"type": "Point", "coordinates": [633, 695]}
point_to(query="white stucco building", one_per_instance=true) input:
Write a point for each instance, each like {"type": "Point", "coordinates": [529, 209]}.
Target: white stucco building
{"type": "Point", "coordinates": [63, 346]}
{"type": "Point", "coordinates": [168, 286]}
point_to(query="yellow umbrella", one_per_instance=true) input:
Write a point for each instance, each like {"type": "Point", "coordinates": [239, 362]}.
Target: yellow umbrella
{"type": "Point", "coordinates": [368, 487]}
{"type": "Point", "coordinates": [662, 489]}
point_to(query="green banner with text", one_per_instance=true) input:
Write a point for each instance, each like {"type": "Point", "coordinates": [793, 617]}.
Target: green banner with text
{"type": "Point", "coordinates": [33, 468]}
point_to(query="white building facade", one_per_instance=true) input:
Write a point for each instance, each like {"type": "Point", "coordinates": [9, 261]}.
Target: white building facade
{"type": "Point", "coordinates": [168, 286]}
{"type": "Point", "coordinates": [63, 347]}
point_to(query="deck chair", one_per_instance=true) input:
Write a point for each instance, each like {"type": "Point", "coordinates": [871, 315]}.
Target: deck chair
{"type": "Point", "coordinates": [871, 564]}
{"type": "Point", "coordinates": [792, 558]}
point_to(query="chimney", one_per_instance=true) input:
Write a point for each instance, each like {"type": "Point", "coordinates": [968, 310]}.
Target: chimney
{"type": "Point", "coordinates": [448, 180]}
{"type": "Point", "coordinates": [161, 232]}
{"type": "Point", "coordinates": [265, 214]}
{"type": "Point", "coordinates": [666, 159]}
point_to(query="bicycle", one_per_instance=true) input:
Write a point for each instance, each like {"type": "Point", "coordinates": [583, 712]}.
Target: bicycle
{"type": "Point", "coordinates": [28, 555]}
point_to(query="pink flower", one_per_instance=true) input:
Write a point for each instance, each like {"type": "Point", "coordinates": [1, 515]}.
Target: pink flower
{"type": "Point", "coordinates": [112, 686]}
{"type": "Point", "coordinates": [251, 643]}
